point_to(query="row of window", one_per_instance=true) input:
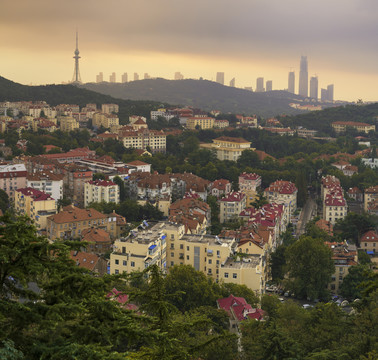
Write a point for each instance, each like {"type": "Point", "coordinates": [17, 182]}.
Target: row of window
{"type": "Point", "coordinates": [234, 275]}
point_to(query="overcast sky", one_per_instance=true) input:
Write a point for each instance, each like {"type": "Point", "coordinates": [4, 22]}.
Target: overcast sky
{"type": "Point", "coordinates": [245, 39]}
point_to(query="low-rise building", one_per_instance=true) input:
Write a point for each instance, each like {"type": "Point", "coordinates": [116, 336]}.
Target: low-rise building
{"type": "Point", "coordinates": [98, 240]}
{"type": "Point", "coordinates": [227, 147]}
{"type": "Point", "coordinates": [369, 242]}
{"type": "Point", "coordinates": [202, 123]}
{"type": "Point", "coordinates": [89, 261]}
{"type": "Point", "coordinates": [370, 196]}
{"type": "Point", "coordinates": [100, 190]}
{"type": "Point", "coordinates": [341, 126]}
{"type": "Point", "coordinates": [220, 188]}
{"type": "Point", "coordinates": [71, 221]}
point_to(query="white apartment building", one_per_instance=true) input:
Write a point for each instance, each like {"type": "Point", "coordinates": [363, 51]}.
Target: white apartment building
{"type": "Point", "coordinates": [100, 190]}
{"type": "Point", "coordinates": [47, 182]}
{"type": "Point", "coordinates": [231, 206]}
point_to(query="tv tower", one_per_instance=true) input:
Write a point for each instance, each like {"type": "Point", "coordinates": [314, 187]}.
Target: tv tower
{"type": "Point", "coordinates": [76, 76]}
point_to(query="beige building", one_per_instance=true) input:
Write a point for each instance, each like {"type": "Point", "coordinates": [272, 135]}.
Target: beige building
{"type": "Point", "coordinates": [202, 122]}
{"type": "Point", "coordinates": [166, 244]}
{"type": "Point", "coordinates": [247, 270]}
{"type": "Point", "coordinates": [283, 192]}
{"type": "Point", "coordinates": [67, 123]}
{"type": "Point", "coordinates": [12, 177]}
{"type": "Point", "coordinates": [106, 120]}
{"type": "Point", "coordinates": [370, 195]}
{"type": "Point", "coordinates": [100, 190]}
{"type": "Point", "coordinates": [36, 204]}
{"type": "Point", "coordinates": [227, 147]}
{"type": "Point", "coordinates": [110, 108]}
{"type": "Point", "coordinates": [231, 206]}
{"type": "Point", "coordinates": [369, 242]}
{"type": "Point", "coordinates": [341, 126]}
{"type": "Point", "coordinates": [144, 138]}
{"type": "Point", "coordinates": [71, 221]}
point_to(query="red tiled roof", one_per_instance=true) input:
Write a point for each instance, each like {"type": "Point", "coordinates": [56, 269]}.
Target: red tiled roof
{"type": "Point", "coordinates": [234, 196]}
{"type": "Point", "coordinates": [35, 194]}
{"type": "Point", "coordinates": [101, 183]}
{"type": "Point", "coordinates": [85, 260]}
{"type": "Point", "coordinates": [370, 236]}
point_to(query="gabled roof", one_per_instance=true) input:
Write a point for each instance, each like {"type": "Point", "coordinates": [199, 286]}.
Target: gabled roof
{"type": "Point", "coordinates": [370, 236]}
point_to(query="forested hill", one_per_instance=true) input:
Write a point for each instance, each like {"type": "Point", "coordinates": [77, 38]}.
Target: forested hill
{"type": "Point", "coordinates": [69, 94]}
{"type": "Point", "coordinates": [321, 120]}
{"type": "Point", "coordinates": [202, 94]}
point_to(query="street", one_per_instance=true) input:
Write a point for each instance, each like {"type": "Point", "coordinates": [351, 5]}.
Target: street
{"type": "Point", "coordinates": [307, 213]}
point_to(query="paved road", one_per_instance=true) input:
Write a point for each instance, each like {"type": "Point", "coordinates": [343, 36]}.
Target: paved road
{"type": "Point", "coordinates": [307, 213]}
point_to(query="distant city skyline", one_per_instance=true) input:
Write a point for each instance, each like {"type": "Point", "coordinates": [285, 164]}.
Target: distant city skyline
{"type": "Point", "coordinates": [37, 45]}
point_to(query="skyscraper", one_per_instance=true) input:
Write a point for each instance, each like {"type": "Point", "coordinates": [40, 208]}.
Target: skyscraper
{"type": "Point", "coordinates": [291, 82]}
{"type": "Point", "coordinates": [269, 85]}
{"type": "Point", "coordinates": [260, 84]}
{"type": "Point", "coordinates": [147, 76]}
{"type": "Point", "coordinates": [99, 77]}
{"type": "Point", "coordinates": [220, 78]}
{"type": "Point", "coordinates": [314, 87]}
{"type": "Point", "coordinates": [330, 89]}
{"type": "Point", "coordinates": [232, 82]}
{"type": "Point", "coordinates": [136, 76]}
{"type": "Point", "coordinates": [178, 76]}
{"type": "Point", "coordinates": [124, 78]}
{"type": "Point", "coordinates": [112, 78]}
{"type": "Point", "coordinates": [76, 79]}
{"type": "Point", "coordinates": [303, 77]}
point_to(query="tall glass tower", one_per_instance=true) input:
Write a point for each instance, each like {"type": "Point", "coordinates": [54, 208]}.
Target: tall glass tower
{"type": "Point", "coordinates": [303, 77]}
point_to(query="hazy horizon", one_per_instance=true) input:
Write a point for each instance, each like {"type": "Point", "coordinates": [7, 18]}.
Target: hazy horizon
{"type": "Point", "coordinates": [244, 39]}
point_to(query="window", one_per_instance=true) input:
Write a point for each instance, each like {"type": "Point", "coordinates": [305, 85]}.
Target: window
{"type": "Point", "coordinates": [132, 264]}
{"type": "Point", "coordinates": [116, 271]}
{"type": "Point", "coordinates": [172, 254]}
{"type": "Point", "coordinates": [172, 246]}
{"type": "Point", "coordinates": [210, 261]}
{"type": "Point", "coordinates": [226, 275]}
{"type": "Point", "coordinates": [181, 246]}
{"type": "Point", "coordinates": [116, 261]}
{"type": "Point", "coordinates": [124, 263]}
{"type": "Point", "coordinates": [172, 263]}
{"type": "Point", "coordinates": [234, 276]}
{"type": "Point", "coordinates": [217, 262]}
{"type": "Point", "coordinates": [187, 248]}
{"type": "Point", "coordinates": [187, 257]}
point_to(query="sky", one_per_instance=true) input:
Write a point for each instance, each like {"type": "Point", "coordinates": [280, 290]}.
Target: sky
{"type": "Point", "coordinates": [244, 39]}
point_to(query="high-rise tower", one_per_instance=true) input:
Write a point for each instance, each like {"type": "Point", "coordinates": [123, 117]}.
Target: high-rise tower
{"type": "Point", "coordinates": [303, 77]}
{"type": "Point", "coordinates": [220, 78]}
{"type": "Point", "coordinates": [314, 87]}
{"type": "Point", "coordinates": [76, 76]}
{"type": "Point", "coordinates": [291, 82]}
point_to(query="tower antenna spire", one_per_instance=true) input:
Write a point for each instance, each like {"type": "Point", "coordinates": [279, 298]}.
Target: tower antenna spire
{"type": "Point", "coordinates": [76, 79]}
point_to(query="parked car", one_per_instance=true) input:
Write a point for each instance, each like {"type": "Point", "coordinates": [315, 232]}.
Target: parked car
{"type": "Point", "coordinates": [307, 306]}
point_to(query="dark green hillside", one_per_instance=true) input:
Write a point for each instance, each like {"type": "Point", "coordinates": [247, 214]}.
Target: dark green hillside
{"type": "Point", "coordinates": [202, 94]}
{"type": "Point", "coordinates": [69, 94]}
{"type": "Point", "coordinates": [321, 120]}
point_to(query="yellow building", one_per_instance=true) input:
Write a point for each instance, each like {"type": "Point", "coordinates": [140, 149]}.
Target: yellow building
{"type": "Point", "coordinates": [67, 123]}
{"type": "Point", "coordinates": [105, 120]}
{"type": "Point", "coordinates": [227, 147]}
{"type": "Point", "coordinates": [202, 122]}
{"type": "Point", "coordinates": [166, 244]}
{"type": "Point", "coordinates": [370, 195]}
{"type": "Point", "coordinates": [341, 126]}
{"type": "Point", "coordinates": [248, 270]}
{"type": "Point", "coordinates": [71, 221]}
{"type": "Point", "coordinates": [36, 204]}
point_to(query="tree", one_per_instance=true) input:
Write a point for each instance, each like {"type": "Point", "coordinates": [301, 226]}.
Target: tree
{"type": "Point", "coordinates": [277, 263]}
{"type": "Point", "coordinates": [260, 200]}
{"type": "Point", "coordinates": [121, 185]}
{"type": "Point", "coordinates": [310, 267]}
{"type": "Point", "coordinates": [196, 289]}
{"type": "Point", "coordinates": [351, 286]}
{"type": "Point", "coordinates": [248, 158]}
{"type": "Point", "coordinates": [4, 201]}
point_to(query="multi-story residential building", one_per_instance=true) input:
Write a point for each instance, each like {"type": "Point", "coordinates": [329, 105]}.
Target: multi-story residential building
{"type": "Point", "coordinates": [200, 122]}
{"type": "Point", "coordinates": [283, 192]}
{"type": "Point", "coordinates": [36, 204]}
{"type": "Point", "coordinates": [166, 244]}
{"type": "Point", "coordinates": [221, 124]}
{"type": "Point", "coordinates": [344, 256]}
{"type": "Point", "coordinates": [12, 177]}
{"type": "Point", "coordinates": [143, 139]}
{"type": "Point", "coordinates": [231, 206]}
{"type": "Point", "coordinates": [106, 120]}
{"type": "Point", "coordinates": [161, 113]}
{"type": "Point", "coordinates": [74, 179]}
{"type": "Point", "coordinates": [334, 204]}
{"type": "Point", "coordinates": [356, 194]}
{"type": "Point", "coordinates": [227, 147]}
{"type": "Point", "coordinates": [370, 196]}
{"type": "Point", "coordinates": [48, 182]}
{"type": "Point", "coordinates": [109, 108]}
{"type": "Point", "coordinates": [249, 184]}
{"type": "Point", "coordinates": [220, 188]}
{"type": "Point", "coordinates": [71, 221]}
{"type": "Point", "coordinates": [146, 245]}
{"type": "Point", "coordinates": [68, 123]}
{"type": "Point", "coordinates": [341, 126]}
{"type": "Point", "coordinates": [100, 190]}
